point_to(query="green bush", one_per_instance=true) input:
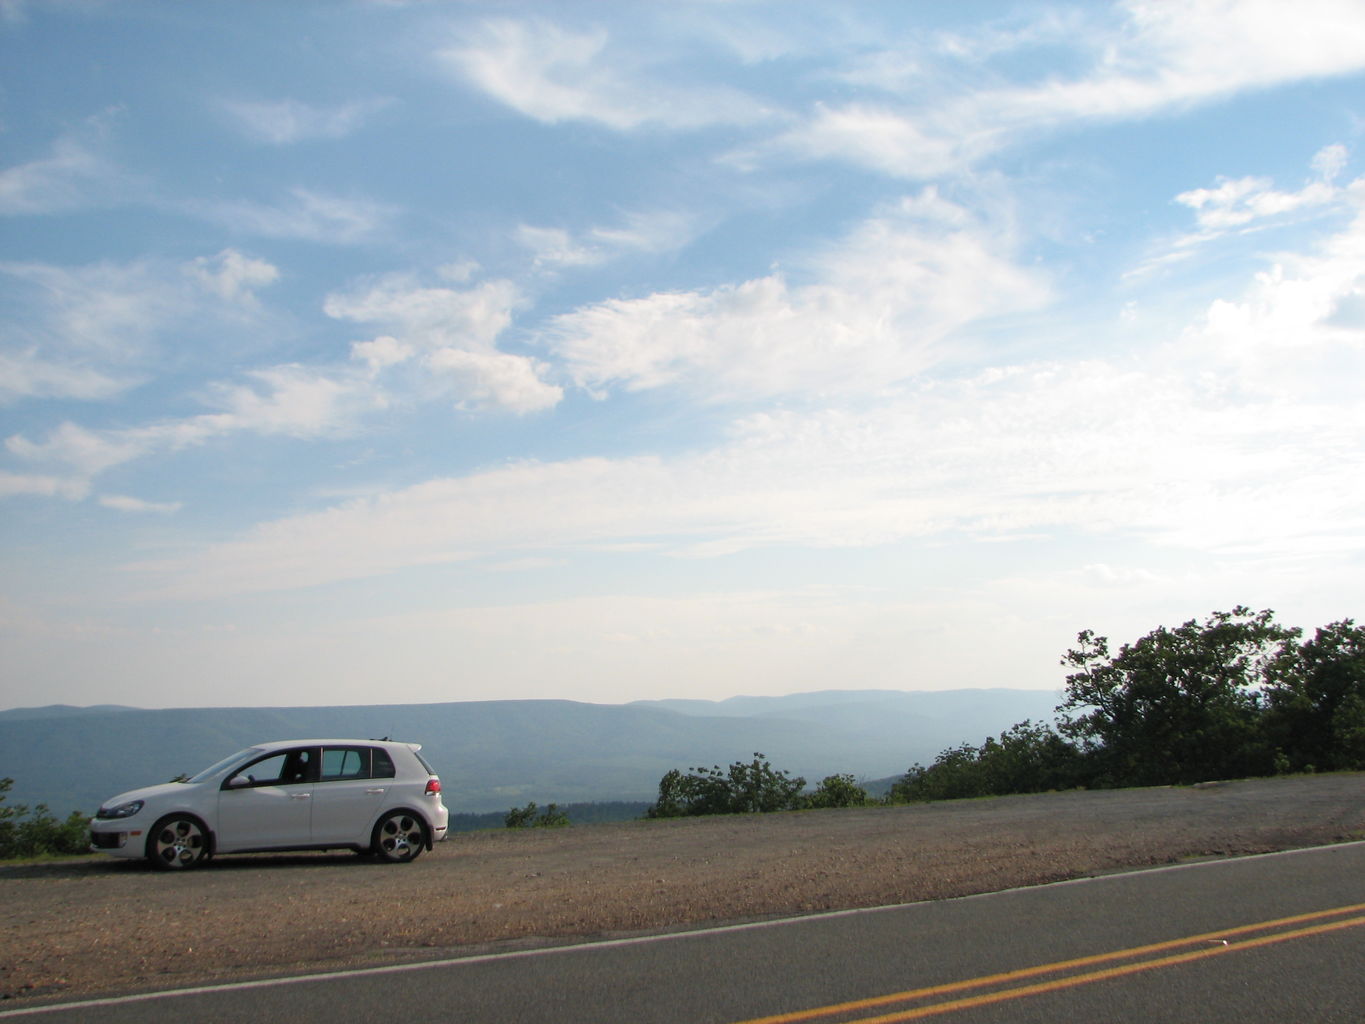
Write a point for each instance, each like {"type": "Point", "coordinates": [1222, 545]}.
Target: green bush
{"type": "Point", "coordinates": [527, 817]}
{"type": "Point", "coordinates": [742, 788]}
{"type": "Point", "coordinates": [1027, 758]}
{"type": "Point", "coordinates": [36, 832]}
{"type": "Point", "coordinates": [838, 791]}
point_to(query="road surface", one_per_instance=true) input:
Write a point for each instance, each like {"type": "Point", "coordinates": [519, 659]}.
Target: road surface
{"type": "Point", "coordinates": [1275, 938]}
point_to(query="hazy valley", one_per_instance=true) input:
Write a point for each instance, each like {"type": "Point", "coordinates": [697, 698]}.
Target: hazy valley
{"type": "Point", "coordinates": [492, 755]}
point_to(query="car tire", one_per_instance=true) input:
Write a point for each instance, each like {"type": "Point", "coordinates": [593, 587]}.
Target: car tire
{"type": "Point", "coordinates": [399, 837]}
{"type": "Point", "coordinates": [178, 842]}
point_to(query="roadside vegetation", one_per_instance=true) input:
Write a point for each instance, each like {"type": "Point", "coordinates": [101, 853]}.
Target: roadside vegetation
{"type": "Point", "coordinates": [532, 816]}
{"type": "Point", "coordinates": [34, 832]}
{"type": "Point", "coordinates": [748, 787]}
{"type": "Point", "coordinates": [1235, 696]}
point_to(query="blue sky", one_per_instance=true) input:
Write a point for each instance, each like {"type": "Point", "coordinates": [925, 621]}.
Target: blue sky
{"type": "Point", "coordinates": [390, 352]}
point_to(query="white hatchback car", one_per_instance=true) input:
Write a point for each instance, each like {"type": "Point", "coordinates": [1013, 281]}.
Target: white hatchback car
{"type": "Point", "coordinates": [371, 796]}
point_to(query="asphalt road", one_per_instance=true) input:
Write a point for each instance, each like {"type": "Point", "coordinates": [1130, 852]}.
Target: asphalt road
{"type": "Point", "coordinates": [1279, 938]}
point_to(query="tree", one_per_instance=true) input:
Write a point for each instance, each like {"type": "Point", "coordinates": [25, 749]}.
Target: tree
{"type": "Point", "coordinates": [956, 774]}
{"type": "Point", "coordinates": [743, 788]}
{"type": "Point", "coordinates": [1030, 758]}
{"type": "Point", "coordinates": [1315, 716]}
{"type": "Point", "coordinates": [1178, 705]}
{"type": "Point", "coordinates": [1027, 758]}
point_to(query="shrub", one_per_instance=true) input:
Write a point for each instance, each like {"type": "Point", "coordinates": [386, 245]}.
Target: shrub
{"type": "Point", "coordinates": [526, 817]}
{"type": "Point", "coordinates": [838, 791]}
{"type": "Point", "coordinates": [754, 787]}
{"type": "Point", "coordinates": [36, 832]}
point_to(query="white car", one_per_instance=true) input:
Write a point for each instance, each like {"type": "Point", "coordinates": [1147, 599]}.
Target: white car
{"type": "Point", "coordinates": [371, 796]}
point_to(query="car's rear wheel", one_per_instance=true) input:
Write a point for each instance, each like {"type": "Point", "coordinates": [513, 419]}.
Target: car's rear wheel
{"type": "Point", "coordinates": [177, 842]}
{"type": "Point", "coordinates": [399, 837]}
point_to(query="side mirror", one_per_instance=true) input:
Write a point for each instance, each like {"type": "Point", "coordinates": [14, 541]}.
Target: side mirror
{"type": "Point", "coordinates": [238, 781]}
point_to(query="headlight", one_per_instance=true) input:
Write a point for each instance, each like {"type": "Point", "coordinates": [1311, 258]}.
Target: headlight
{"type": "Point", "coordinates": [121, 811]}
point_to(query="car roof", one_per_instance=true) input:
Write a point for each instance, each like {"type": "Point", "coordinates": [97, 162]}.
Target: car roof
{"type": "Point", "coordinates": [334, 742]}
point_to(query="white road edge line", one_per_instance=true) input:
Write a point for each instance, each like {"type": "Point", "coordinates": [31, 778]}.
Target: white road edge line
{"type": "Point", "coordinates": [519, 954]}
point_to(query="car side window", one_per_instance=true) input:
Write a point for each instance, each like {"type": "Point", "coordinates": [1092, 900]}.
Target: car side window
{"type": "Point", "coordinates": [341, 763]}
{"type": "Point", "coordinates": [286, 768]}
{"type": "Point", "coordinates": [383, 764]}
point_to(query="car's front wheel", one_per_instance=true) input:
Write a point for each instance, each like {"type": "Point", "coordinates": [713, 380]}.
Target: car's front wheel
{"type": "Point", "coordinates": [399, 837]}
{"type": "Point", "coordinates": [177, 842]}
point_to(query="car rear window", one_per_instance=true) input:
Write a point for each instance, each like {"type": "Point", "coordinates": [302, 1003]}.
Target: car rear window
{"type": "Point", "coordinates": [429, 768]}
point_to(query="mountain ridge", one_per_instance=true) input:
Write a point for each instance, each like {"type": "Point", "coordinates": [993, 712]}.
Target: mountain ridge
{"type": "Point", "coordinates": [495, 754]}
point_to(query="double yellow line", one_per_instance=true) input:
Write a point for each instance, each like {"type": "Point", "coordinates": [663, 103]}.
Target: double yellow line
{"type": "Point", "coordinates": [1017, 984]}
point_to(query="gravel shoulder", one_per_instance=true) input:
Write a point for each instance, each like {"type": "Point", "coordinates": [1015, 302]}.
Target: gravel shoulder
{"type": "Point", "coordinates": [98, 926]}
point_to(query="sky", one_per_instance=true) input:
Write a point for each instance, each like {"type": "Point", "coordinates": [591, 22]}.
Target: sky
{"type": "Point", "coordinates": [384, 352]}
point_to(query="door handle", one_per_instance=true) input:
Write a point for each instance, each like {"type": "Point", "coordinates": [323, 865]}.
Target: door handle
{"type": "Point", "coordinates": [298, 796]}
{"type": "Point", "coordinates": [375, 792]}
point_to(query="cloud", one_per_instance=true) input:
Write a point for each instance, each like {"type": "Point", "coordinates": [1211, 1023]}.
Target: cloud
{"type": "Point", "coordinates": [26, 374]}
{"type": "Point", "coordinates": [232, 276]}
{"type": "Point", "coordinates": [290, 400]}
{"type": "Point", "coordinates": [495, 380]}
{"type": "Point", "coordinates": [1090, 448]}
{"type": "Point", "coordinates": [307, 215]}
{"type": "Point", "coordinates": [554, 74]}
{"type": "Point", "coordinates": [13, 485]}
{"type": "Point", "coordinates": [73, 175]}
{"type": "Point", "coordinates": [1236, 206]}
{"type": "Point", "coordinates": [90, 332]}
{"type": "Point", "coordinates": [554, 247]}
{"type": "Point", "coordinates": [381, 353]}
{"type": "Point", "coordinates": [946, 110]}
{"type": "Point", "coordinates": [85, 451]}
{"type": "Point", "coordinates": [659, 231]}
{"type": "Point", "coordinates": [282, 122]}
{"type": "Point", "coordinates": [1238, 202]}
{"type": "Point", "coordinates": [453, 332]}
{"type": "Point", "coordinates": [886, 141]}
{"type": "Point", "coordinates": [287, 400]}
{"type": "Point", "coordinates": [1236, 438]}
{"type": "Point", "coordinates": [1295, 323]}
{"type": "Point", "coordinates": [878, 308]}
{"type": "Point", "coordinates": [1212, 47]}
{"type": "Point", "coordinates": [105, 309]}
{"type": "Point", "coordinates": [123, 503]}
{"type": "Point", "coordinates": [433, 317]}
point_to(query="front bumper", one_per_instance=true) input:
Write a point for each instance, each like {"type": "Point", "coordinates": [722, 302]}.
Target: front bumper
{"type": "Point", "coordinates": [116, 838]}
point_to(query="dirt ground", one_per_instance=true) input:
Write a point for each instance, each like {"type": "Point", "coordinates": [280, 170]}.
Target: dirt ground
{"type": "Point", "coordinates": [98, 926]}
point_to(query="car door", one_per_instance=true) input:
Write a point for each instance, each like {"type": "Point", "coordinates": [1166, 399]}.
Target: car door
{"type": "Point", "coordinates": [352, 786]}
{"type": "Point", "coordinates": [270, 804]}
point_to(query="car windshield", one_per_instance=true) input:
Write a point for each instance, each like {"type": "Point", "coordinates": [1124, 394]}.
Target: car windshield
{"type": "Point", "coordinates": [214, 769]}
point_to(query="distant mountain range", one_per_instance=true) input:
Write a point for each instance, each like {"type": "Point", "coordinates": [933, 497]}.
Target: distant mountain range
{"type": "Point", "coordinates": [493, 755]}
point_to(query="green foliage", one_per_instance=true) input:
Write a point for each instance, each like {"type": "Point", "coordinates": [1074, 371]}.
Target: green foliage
{"type": "Point", "coordinates": [37, 833]}
{"type": "Point", "coordinates": [1315, 715]}
{"type": "Point", "coordinates": [1179, 705]}
{"type": "Point", "coordinates": [1233, 696]}
{"type": "Point", "coordinates": [1027, 758]}
{"type": "Point", "coordinates": [838, 791]}
{"type": "Point", "coordinates": [527, 817]}
{"type": "Point", "coordinates": [743, 788]}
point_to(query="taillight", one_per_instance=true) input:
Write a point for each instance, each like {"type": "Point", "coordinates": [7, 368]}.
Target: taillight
{"type": "Point", "coordinates": [433, 786]}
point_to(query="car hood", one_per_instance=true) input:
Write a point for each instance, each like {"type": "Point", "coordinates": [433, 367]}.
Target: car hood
{"type": "Point", "coordinates": [148, 793]}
